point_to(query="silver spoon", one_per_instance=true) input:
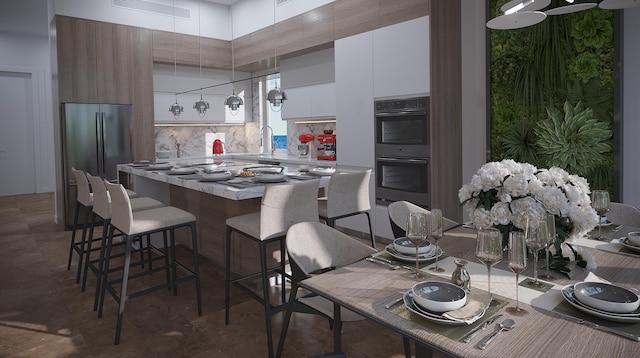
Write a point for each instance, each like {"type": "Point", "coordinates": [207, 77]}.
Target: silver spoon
{"type": "Point", "coordinates": [389, 265]}
{"type": "Point", "coordinates": [504, 326]}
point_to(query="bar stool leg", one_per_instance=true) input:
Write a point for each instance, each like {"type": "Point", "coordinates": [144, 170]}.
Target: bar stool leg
{"type": "Point", "coordinates": [373, 238]}
{"type": "Point", "coordinates": [76, 212]}
{"type": "Point", "coordinates": [88, 211]}
{"type": "Point", "coordinates": [105, 227]}
{"type": "Point", "coordinates": [227, 274]}
{"type": "Point", "coordinates": [166, 257]}
{"type": "Point", "coordinates": [265, 291]}
{"type": "Point", "coordinates": [123, 288]}
{"type": "Point", "coordinates": [105, 272]}
{"type": "Point", "coordinates": [174, 269]}
{"type": "Point", "coordinates": [196, 267]}
{"type": "Point", "coordinates": [88, 251]}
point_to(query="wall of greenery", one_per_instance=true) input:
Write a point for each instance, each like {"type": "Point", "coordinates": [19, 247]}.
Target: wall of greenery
{"type": "Point", "coordinates": [552, 93]}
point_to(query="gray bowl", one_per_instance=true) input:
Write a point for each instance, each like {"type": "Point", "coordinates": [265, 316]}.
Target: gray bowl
{"type": "Point", "coordinates": [405, 246]}
{"type": "Point", "coordinates": [634, 238]}
{"type": "Point", "coordinates": [606, 297]}
{"type": "Point", "coordinates": [438, 296]}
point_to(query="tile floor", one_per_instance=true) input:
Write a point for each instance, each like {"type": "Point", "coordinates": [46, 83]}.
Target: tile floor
{"type": "Point", "coordinates": [43, 312]}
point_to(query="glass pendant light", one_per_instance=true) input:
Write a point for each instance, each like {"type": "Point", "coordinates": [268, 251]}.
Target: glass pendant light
{"type": "Point", "coordinates": [234, 101]}
{"type": "Point", "coordinates": [276, 96]}
{"type": "Point", "coordinates": [200, 105]}
{"type": "Point", "coordinates": [175, 108]}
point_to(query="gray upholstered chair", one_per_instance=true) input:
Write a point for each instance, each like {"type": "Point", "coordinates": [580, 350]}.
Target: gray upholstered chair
{"type": "Point", "coordinates": [624, 214]}
{"type": "Point", "coordinates": [282, 206]}
{"type": "Point", "coordinates": [137, 224]}
{"type": "Point", "coordinates": [102, 210]}
{"type": "Point", "coordinates": [399, 211]}
{"type": "Point", "coordinates": [314, 247]}
{"type": "Point", "coordinates": [347, 195]}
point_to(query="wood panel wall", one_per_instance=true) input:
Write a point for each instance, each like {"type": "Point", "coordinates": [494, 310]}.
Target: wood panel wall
{"type": "Point", "coordinates": [446, 106]}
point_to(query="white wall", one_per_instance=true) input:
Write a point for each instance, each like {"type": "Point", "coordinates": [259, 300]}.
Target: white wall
{"type": "Point", "coordinates": [30, 54]}
{"type": "Point", "coordinates": [631, 108]}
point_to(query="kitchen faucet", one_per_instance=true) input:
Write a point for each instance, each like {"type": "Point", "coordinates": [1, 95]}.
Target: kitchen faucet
{"type": "Point", "coordinates": [273, 144]}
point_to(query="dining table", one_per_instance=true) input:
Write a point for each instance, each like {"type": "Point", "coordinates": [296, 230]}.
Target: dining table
{"type": "Point", "coordinates": [553, 327]}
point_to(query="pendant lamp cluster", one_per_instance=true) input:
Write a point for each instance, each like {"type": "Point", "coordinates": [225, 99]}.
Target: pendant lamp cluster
{"type": "Point", "coordinates": [175, 108]}
{"type": "Point", "coordinates": [276, 96]}
{"type": "Point", "coordinates": [523, 13]}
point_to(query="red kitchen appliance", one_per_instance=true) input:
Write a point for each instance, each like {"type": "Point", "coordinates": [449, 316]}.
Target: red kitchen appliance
{"type": "Point", "coordinates": [303, 149]}
{"type": "Point", "coordinates": [327, 150]}
{"type": "Point", "coordinates": [218, 147]}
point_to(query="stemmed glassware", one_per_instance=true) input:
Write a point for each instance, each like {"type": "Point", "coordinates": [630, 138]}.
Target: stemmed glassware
{"type": "Point", "coordinates": [489, 250]}
{"type": "Point", "coordinates": [436, 234]}
{"type": "Point", "coordinates": [536, 238]}
{"type": "Point", "coordinates": [417, 232]}
{"type": "Point", "coordinates": [517, 264]}
{"type": "Point", "coordinates": [600, 203]}
{"type": "Point", "coordinates": [551, 238]}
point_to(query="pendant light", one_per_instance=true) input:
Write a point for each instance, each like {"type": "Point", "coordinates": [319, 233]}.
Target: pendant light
{"type": "Point", "coordinates": [200, 105]}
{"type": "Point", "coordinates": [276, 96]}
{"type": "Point", "coordinates": [618, 4]}
{"type": "Point", "coordinates": [234, 101]}
{"type": "Point", "coordinates": [175, 108]}
{"type": "Point", "coordinates": [571, 8]}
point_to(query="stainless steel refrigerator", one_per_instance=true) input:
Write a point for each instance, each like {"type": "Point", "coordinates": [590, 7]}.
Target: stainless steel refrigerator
{"type": "Point", "coordinates": [95, 138]}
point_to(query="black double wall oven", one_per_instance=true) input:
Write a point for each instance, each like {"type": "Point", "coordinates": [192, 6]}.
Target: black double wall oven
{"type": "Point", "coordinates": [402, 151]}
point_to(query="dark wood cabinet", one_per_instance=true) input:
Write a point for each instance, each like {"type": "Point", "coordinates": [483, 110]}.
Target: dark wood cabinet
{"type": "Point", "coordinates": [77, 66]}
{"type": "Point", "coordinates": [191, 50]}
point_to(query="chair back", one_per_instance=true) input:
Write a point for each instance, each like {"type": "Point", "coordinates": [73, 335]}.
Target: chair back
{"type": "Point", "coordinates": [399, 212]}
{"type": "Point", "coordinates": [121, 214]}
{"type": "Point", "coordinates": [101, 199]}
{"type": "Point", "coordinates": [624, 214]}
{"type": "Point", "coordinates": [314, 246]}
{"type": "Point", "coordinates": [84, 196]}
{"type": "Point", "coordinates": [348, 193]}
{"type": "Point", "coordinates": [286, 204]}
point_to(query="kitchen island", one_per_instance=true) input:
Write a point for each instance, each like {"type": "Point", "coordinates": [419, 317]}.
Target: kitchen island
{"type": "Point", "coordinates": [213, 202]}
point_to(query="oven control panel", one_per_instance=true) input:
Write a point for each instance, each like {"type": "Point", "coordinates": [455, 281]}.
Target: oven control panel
{"type": "Point", "coordinates": [409, 104]}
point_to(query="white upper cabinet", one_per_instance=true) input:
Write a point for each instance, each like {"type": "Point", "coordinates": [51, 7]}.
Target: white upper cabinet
{"type": "Point", "coordinates": [401, 59]}
{"type": "Point", "coordinates": [308, 81]}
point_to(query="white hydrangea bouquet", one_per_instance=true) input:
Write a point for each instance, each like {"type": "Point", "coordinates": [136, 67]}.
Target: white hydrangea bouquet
{"type": "Point", "coordinates": [507, 194]}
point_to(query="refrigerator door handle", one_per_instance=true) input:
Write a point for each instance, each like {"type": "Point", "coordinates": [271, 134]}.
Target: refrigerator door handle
{"type": "Point", "coordinates": [104, 145]}
{"type": "Point", "coordinates": [99, 145]}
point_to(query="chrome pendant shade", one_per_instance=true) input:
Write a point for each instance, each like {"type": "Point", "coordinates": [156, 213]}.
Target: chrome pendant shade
{"type": "Point", "coordinates": [233, 102]}
{"type": "Point", "coordinates": [176, 109]}
{"type": "Point", "coordinates": [275, 97]}
{"type": "Point", "coordinates": [201, 106]}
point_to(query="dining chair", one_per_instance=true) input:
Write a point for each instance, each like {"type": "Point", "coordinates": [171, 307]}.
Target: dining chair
{"type": "Point", "coordinates": [282, 205]}
{"type": "Point", "coordinates": [314, 248]}
{"type": "Point", "coordinates": [132, 225]}
{"type": "Point", "coordinates": [398, 212]}
{"type": "Point", "coordinates": [347, 195]}
{"type": "Point", "coordinates": [102, 210]}
{"type": "Point", "coordinates": [624, 214]}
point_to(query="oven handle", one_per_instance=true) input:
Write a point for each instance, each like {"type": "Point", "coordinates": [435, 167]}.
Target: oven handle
{"type": "Point", "coordinates": [402, 160]}
{"type": "Point", "coordinates": [401, 113]}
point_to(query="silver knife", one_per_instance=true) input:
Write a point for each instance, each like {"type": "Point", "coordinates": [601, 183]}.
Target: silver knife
{"type": "Point", "coordinates": [392, 262]}
{"type": "Point", "coordinates": [480, 328]}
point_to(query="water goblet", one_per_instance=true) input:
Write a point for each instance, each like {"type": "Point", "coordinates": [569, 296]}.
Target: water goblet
{"type": "Point", "coordinates": [600, 203]}
{"type": "Point", "coordinates": [551, 238]}
{"type": "Point", "coordinates": [417, 232]}
{"type": "Point", "coordinates": [535, 237]}
{"type": "Point", "coordinates": [436, 234]}
{"type": "Point", "coordinates": [489, 250]}
{"type": "Point", "coordinates": [517, 264]}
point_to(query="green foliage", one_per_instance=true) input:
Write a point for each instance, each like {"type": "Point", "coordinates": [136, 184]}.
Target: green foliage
{"type": "Point", "coordinates": [576, 141]}
{"type": "Point", "coordinates": [566, 58]}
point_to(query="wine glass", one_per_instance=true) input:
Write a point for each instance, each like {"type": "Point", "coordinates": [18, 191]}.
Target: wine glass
{"type": "Point", "coordinates": [600, 203]}
{"type": "Point", "coordinates": [517, 264]}
{"type": "Point", "coordinates": [489, 250]}
{"type": "Point", "coordinates": [551, 238]}
{"type": "Point", "coordinates": [417, 232]}
{"type": "Point", "coordinates": [436, 234]}
{"type": "Point", "coordinates": [535, 236]}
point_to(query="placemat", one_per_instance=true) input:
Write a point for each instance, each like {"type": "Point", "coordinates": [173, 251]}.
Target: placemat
{"type": "Point", "coordinates": [453, 332]}
{"type": "Point", "coordinates": [541, 286]}
{"type": "Point", "coordinates": [628, 330]}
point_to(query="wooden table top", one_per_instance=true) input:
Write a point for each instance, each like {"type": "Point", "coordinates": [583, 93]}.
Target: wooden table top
{"type": "Point", "coordinates": [366, 287]}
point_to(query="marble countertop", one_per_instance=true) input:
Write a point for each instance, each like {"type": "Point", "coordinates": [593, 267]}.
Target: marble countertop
{"type": "Point", "coordinates": [245, 188]}
{"type": "Point", "coordinates": [255, 157]}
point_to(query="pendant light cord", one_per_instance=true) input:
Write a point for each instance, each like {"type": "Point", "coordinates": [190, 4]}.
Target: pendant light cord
{"type": "Point", "coordinates": [175, 57]}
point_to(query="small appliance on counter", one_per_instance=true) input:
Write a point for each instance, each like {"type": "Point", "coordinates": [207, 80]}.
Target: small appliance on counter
{"type": "Point", "coordinates": [218, 147]}
{"type": "Point", "coordinates": [327, 150]}
{"type": "Point", "coordinates": [303, 149]}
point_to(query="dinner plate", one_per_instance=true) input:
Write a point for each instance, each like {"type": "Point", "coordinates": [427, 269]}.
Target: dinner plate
{"type": "Point", "coordinates": [322, 171]}
{"type": "Point", "coordinates": [411, 258]}
{"type": "Point", "coordinates": [431, 316]}
{"type": "Point", "coordinates": [626, 243]}
{"type": "Point", "coordinates": [182, 171]}
{"type": "Point", "coordinates": [159, 167]}
{"type": "Point", "coordinates": [632, 317]}
{"type": "Point", "coordinates": [606, 297]}
{"type": "Point", "coordinates": [216, 176]}
{"type": "Point", "coordinates": [270, 178]}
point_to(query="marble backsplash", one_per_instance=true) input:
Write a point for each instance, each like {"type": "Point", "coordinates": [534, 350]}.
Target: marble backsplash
{"type": "Point", "coordinates": [196, 141]}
